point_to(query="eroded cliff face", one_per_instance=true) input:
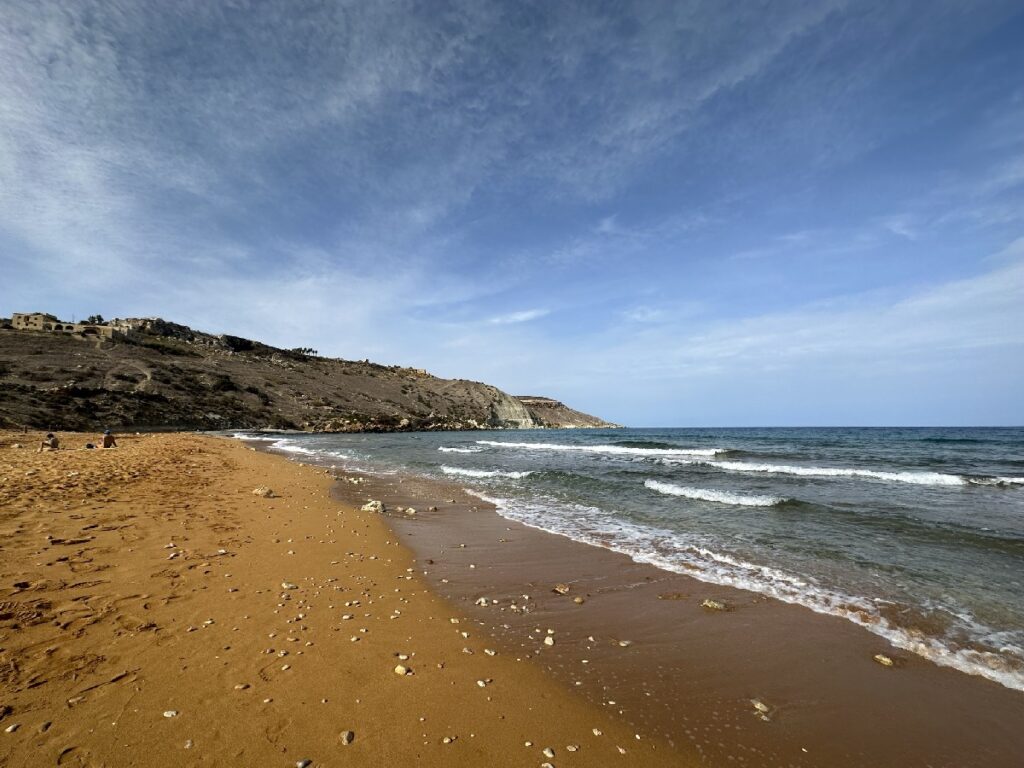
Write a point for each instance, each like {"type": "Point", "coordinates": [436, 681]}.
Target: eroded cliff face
{"type": "Point", "coordinates": [553, 414]}
{"type": "Point", "coordinates": [191, 380]}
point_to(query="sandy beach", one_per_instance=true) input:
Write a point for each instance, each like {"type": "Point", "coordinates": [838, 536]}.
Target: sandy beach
{"type": "Point", "coordinates": [154, 611]}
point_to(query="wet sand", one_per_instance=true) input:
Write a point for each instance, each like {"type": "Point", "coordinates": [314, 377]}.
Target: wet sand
{"type": "Point", "coordinates": [643, 647]}
{"type": "Point", "coordinates": [155, 612]}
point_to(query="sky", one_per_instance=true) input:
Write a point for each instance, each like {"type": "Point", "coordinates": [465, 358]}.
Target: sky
{"type": "Point", "coordinates": [665, 213]}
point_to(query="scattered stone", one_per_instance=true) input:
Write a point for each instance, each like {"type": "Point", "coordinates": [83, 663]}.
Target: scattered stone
{"type": "Point", "coordinates": [598, 732]}
{"type": "Point", "coordinates": [288, 585]}
{"type": "Point", "coordinates": [12, 727]}
{"type": "Point", "coordinates": [242, 687]}
{"type": "Point", "coordinates": [549, 640]}
{"type": "Point", "coordinates": [572, 747]}
{"type": "Point", "coordinates": [548, 752]}
{"type": "Point", "coordinates": [760, 706]}
{"type": "Point", "coordinates": [373, 506]}
{"type": "Point", "coordinates": [625, 643]}
{"type": "Point", "coordinates": [482, 601]}
{"type": "Point", "coordinates": [884, 660]}
{"type": "Point", "coordinates": [402, 670]}
{"type": "Point", "coordinates": [713, 605]}
{"type": "Point", "coordinates": [171, 713]}
{"type": "Point", "coordinates": [263, 492]}
{"type": "Point", "coordinates": [44, 727]}
{"type": "Point", "coordinates": [562, 589]}
{"type": "Point", "coordinates": [410, 511]}
{"type": "Point", "coordinates": [490, 652]}
{"type": "Point", "coordinates": [579, 600]}
{"type": "Point", "coordinates": [303, 763]}
{"type": "Point", "coordinates": [347, 737]}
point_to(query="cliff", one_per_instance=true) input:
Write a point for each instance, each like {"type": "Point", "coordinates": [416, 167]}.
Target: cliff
{"type": "Point", "coordinates": [551, 413]}
{"type": "Point", "coordinates": [156, 374]}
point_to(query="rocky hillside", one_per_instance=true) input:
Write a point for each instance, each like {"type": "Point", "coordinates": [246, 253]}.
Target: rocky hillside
{"type": "Point", "coordinates": [165, 375]}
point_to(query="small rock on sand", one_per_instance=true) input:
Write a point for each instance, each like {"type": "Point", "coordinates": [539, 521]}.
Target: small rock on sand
{"type": "Point", "coordinates": [884, 660]}
{"type": "Point", "coordinates": [373, 506]}
{"type": "Point", "coordinates": [561, 589]}
{"type": "Point", "coordinates": [402, 670]}
{"type": "Point", "coordinates": [347, 737]}
{"type": "Point", "coordinates": [714, 605]}
{"type": "Point", "coordinates": [549, 640]}
{"type": "Point", "coordinates": [263, 492]}
{"type": "Point", "coordinates": [171, 713]}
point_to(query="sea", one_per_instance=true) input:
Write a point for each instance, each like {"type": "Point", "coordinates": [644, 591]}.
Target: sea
{"type": "Point", "coordinates": [915, 534]}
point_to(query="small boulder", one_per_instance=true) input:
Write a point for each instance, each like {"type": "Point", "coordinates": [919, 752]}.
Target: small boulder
{"type": "Point", "coordinates": [263, 492]}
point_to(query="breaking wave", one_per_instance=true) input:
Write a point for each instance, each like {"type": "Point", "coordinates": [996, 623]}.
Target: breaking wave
{"type": "Point", "coordinates": [709, 494]}
{"type": "Point", "coordinates": [612, 450]}
{"type": "Point", "coordinates": [481, 472]}
{"type": "Point", "coordinates": [446, 449]}
{"type": "Point", "coordinates": [916, 478]}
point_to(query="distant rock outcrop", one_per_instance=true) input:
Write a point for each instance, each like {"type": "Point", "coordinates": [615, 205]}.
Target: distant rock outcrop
{"type": "Point", "coordinates": [156, 374]}
{"type": "Point", "coordinates": [553, 414]}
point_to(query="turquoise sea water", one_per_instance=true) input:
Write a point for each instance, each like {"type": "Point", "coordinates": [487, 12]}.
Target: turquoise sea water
{"type": "Point", "coordinates": [915, 534]}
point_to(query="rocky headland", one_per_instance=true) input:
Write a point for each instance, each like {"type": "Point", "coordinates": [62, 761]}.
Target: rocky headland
{"type": "Point", "coordinates": [154, 374]}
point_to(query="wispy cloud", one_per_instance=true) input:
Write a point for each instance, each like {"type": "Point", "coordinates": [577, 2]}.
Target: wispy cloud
{"type": "Point", "coordinates": [523, 316]}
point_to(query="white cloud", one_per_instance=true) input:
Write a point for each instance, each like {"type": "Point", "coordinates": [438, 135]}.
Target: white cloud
{"type": "Point", "coordinates": [524, 316]}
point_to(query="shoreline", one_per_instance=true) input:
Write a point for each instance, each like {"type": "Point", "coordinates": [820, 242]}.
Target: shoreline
{"type": "Point", "coordinates": [155, 611]}
{"type": "Point", "coordinates": [692, 675]}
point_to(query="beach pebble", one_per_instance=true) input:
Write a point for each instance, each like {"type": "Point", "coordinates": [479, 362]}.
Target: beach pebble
{"type": "Point", "coordinates": [760, 706]}
{"type": "Point", "coordinates": [373, 506]}
{"type": "Point", "coordinates": [410, 511]}
{"type": "Point", "coordinates": [572, 747]}
{"type": "Point", "coordinates": [598, 732]}
{"type": "Point", "coordinates": [546, 765]}
{"type": "Point", "coordinates": [884, 660]}
{"type": "Point", "coordinates": [242, 687]}
{"type": "Point", "coordinates": [579, 600]}
{"type": "Point", "coordinates": [489, 652]}
{"type": "Point", "coordinates": [303, 763]}
{"type": "Point", "coordinates": [713, 605]}
{"type": "Point", "coordinates": [625, 643]}
{"type": "Point", "coordinates": [481, 601]}
{"type": "Point", "coordinates": [263, 492]}
{"type": "Point", "coordinates": [402, 670]}
{"type": "Point", "coordinates": [549, 640]}
{"type": "Point", "coordinates": [288, 585]}
{"type": "Point", "coordinates": [171, 713]}
{"type": "Point", "coordinates": [561, 589]}
{"type": "Point", "coordinates": [12, 728]}
{"type": "Point", "coordinates": [548, 752]}
{"type": "Point", "coordinates": [347, 737]}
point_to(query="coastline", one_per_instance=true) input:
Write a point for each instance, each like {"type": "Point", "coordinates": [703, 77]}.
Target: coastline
{"type": "Point", "coordinates": [694, 675]}
{"type": "Point", "coordinates": [156, 612]}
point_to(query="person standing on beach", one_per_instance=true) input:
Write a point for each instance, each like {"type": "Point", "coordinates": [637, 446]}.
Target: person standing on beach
{"type": "Point", "coordinates": [108, 440]}
{"type": "Point", "coordinates": [51, 443]}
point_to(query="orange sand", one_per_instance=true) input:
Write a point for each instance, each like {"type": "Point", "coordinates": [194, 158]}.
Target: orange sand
{"type": "Point", "coordinates": [148, 579]}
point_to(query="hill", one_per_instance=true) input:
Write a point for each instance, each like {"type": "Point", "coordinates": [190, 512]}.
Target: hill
{"type": "Point", "coordinates": [154, 374]}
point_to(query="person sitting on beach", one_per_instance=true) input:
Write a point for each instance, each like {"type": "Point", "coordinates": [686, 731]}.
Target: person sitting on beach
{"type": "Point", "coordinates": [108, 440]}
{"type": "Point", "coordinates": [49, 444]}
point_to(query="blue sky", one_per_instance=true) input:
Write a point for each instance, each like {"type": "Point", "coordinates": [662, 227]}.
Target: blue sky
{"type": "Point", "coordinates": [678, 213]}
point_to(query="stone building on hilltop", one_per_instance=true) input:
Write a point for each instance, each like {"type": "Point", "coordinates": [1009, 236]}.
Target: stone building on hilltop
{"type": "Point", "coordinates": [41, 321]}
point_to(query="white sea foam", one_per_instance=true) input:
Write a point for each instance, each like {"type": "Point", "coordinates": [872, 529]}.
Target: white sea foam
{"type": "Point", "coordinates": [699, 558]}
{"type": "Point", "coordinates": [916, 478]}
{"type": "Point", "coordinates": [446, 449]}
{"type": "Point", "coordinates": [481, 472]}
{"type": "Point", "coordinates": [622, 450]}
{"type": "Point", "coordinates": [710, 494]}
{"type": "Point", "coordinates": [1001, 481]}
